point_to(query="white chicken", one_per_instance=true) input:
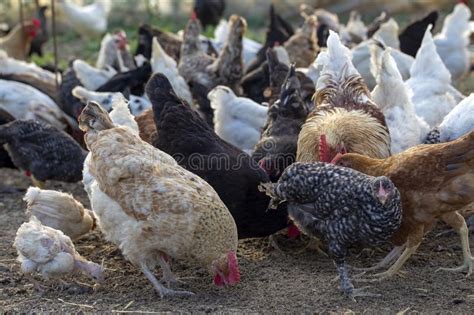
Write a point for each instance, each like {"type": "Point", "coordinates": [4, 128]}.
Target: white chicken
{"type": "Point", "coordinates": [453, 41]}
{"type": "Point", "coordinates": [114, 52]}
{"type": "Point", "coordinates": [137, 104]}
{"type": "Point", "coordinates": [161, 210]}
{"type": "Point", "coordinates": [250, 47]}
{"type": "Point", "coordinates": [90, 77]}
{"type": "Point", "coordinates": [161, 62]}
{"type": "Point", "coordinates": [89, 20]}
{"type": "Point", "coordinates": [354, 31]}
{"type": "Point", "coordinates": [429, 86]}
{"type": "Point", "coordinates": [386, 35]}
{"type": "Point", "coordinates": [14, 66]}
{"type": "Point", "coordinates": [237, 120]}
{"type": "Point", "coordinates": [59, 211]}
{"type": "Point", "coordinates": [25, 102]}
{"type": "Point", "coordinates": [457, 123]}
{"type": "Point", "coordinates": [51, 253]}
{"type": "Point", "coordinates": [405, 127]}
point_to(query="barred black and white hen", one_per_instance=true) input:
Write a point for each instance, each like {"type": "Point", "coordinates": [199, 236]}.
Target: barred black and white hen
{"type": "Point", "coordinates": [341, 206]}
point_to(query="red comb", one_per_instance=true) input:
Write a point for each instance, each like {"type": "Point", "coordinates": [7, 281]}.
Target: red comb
{"type": "Point", "coordinates": [193, 15]}
{"type": "Point", "coordinates": [293, 232]}
{"type": "Point", "coordinates": [36, 23]}
{"type": "Point", "coordinates": [323, 149]}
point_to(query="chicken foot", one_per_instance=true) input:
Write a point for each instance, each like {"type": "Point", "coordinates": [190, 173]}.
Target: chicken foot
{"type": "Point", "coordinates": [457, 222]}
{"type": "Point", "coordinates": [346, 285]}
{"type": "Point", "coordinates": [162, 290]}
{"type": "Point", "coordinates": [394, 254]}
{"type": "Point", "coordinates": [168, 275]}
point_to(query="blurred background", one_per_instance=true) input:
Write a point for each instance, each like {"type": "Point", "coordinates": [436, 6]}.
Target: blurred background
{"type": "Point", "coordinates": [171, 15]}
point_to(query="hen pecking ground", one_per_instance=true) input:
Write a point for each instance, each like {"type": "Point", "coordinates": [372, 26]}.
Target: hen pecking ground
{"type": "Point", "coordinates": [296, 281]}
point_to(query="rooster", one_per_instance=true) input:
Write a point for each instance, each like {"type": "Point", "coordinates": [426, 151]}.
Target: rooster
{"type": "Point", "coordinates": [17, 43]}
{"type": "Point", "coordinates": [435, 182]}
{"type": "Point", "coordinates": [90, 20]}
{"type": "Point", "coordinates": [59, 211]}
{"type": "Point", "coordinates": [345, 119]}
{"type": "Point", "coordinates": [50, 252]}
{"type": "Point", "coordinates": [164, 211]}
{"type": "Point", "coordinates": [114, 52]}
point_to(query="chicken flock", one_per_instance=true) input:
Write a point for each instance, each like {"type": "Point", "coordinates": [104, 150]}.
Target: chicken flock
{"type": "Point", "coordinates": [354, 135]}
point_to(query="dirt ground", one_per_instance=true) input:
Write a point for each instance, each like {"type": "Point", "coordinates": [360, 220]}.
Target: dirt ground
{"type": "Point", "coordinates": [297, 281]}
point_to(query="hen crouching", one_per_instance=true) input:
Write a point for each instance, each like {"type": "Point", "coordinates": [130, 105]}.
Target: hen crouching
{"type": "Point", "coordinates": [342, 206]}
{"type": "Point", "coordinates": [165, 211]}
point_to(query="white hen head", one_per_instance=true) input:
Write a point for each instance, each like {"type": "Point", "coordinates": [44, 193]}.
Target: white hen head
{"type": "Point", "coordinates": [220, 96]}
{"type": "Point", "coordinates": [160, 59]}
{"type": "Point", "coordinates": [456, 24]}
{"type": "Point", "coordinates": [120, 113]}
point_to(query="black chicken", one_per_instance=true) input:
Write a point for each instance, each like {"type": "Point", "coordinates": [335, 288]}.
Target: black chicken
{"type": "Point", "coordinates": [412, 36]}
{"type": "Point", "coordinates": [209, 12]}
{"type": "Point", "coordinates": [132, 81]}
{"type": "Point", "coordinates": [5, 160]}
{"type": "Point", "coordinates": [342, 206]}
{"type": "Point", "coordinates": [43, 151]}
{"type": "Point", "coordinates": [263, 84]}
{"type": "Point", "coordinates": [277, 148]}
{"type": "Point", "coordinates": [278, 32]}
{"type": "Point", "coordinates": [170, 42]}
{"type": "Point", "coordinates": [69, 104]}
{"type": "Point", "coordinates": [232, 173]}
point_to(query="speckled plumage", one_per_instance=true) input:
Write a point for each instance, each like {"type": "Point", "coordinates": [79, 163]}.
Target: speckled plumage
{"type": "Point", "coordinates": [338, 205]}
{"type": "Point", "coordinates": [46, 152]}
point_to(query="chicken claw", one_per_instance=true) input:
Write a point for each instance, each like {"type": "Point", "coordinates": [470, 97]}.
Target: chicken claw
{"type": "Point", "coordinates": [362, 292]}
{"type": "Point", "coordinates": [162, 290]}
{"type": "Point", "coordinates": [168, 275]}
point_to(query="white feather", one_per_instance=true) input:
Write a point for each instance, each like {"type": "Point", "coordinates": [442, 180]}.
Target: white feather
{"type": "Point", "coordinates": [90, 20]}
{"type": "Point", "coordinates": [459, 121]}
{"type": "Point", "coordinates": [237, 120]}
{"type": "Point", "coordinates": [92, 78]}
{"type": "Point", "coordinates": [406, 128]}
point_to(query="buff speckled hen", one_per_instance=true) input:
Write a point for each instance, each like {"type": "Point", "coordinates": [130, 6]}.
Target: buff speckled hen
{"type": "Point", "coordinates": [59, 211]}
{"type": "Point", "coordinates": [165, 211]}
{"type": "Point", "coordinates": [435, 181]}
{"type": "Point", "coordinates": [51, 253]}
{"type": "Point", "coordinates": [345, 118]}
{"type": "Point", "coordinates": [341, 206]}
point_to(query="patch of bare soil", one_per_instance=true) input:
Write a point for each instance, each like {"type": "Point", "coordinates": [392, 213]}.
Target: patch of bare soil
{"type": "Point", "coordinates": [295, 281]}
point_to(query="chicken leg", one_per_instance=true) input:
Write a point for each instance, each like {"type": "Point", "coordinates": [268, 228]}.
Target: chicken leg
{"type": "Point", "coordinates": [413, 242]}
{"type": "Point", "coordinates": [168, 275]}
{"type": "Point", "coordinates": [394, 254]}
{"type": "Point", "coordinates": [346, 285]}
{"type": "Point", "coordinates": [457, 222]}
{"type": "Point", "coordinates": [162, 290]}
